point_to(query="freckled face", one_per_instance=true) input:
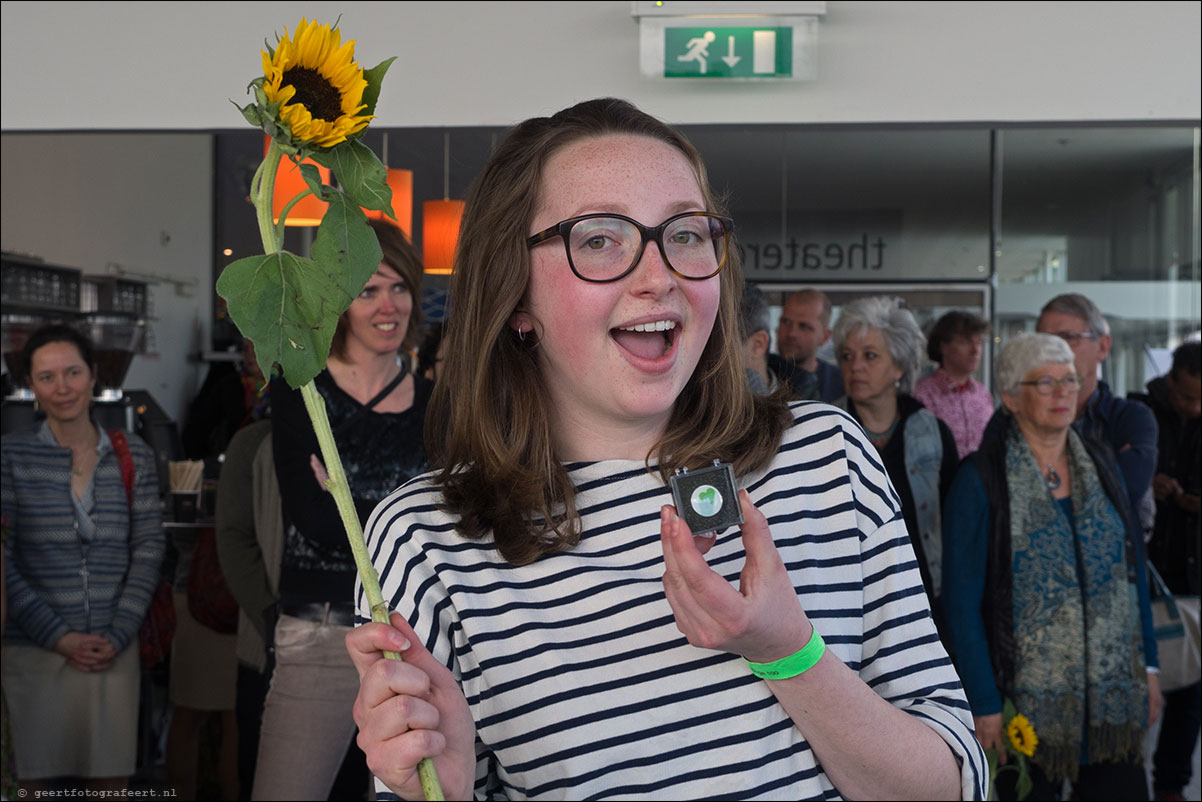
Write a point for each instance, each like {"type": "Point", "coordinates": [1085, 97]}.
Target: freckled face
{"type": "Point", "coordinates": [597, 369]}
{"type": "Point", "coordinates": [868, 368]}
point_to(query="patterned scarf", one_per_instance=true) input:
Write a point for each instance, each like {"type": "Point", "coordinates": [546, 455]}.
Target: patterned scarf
{"type": "Point", "coordinates": [1080, 669]}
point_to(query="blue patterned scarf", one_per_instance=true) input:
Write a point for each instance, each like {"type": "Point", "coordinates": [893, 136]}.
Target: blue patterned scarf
{"type": "Point", "coordinates": [1080, 669]}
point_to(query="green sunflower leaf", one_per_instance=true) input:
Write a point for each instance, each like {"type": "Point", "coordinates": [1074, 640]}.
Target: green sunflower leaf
{"type": "Point", "coordinates": [289, 307]}
{"type": "Point", "coordinates": [375, 79]}
{"type": "Point", "coordinates": [360, 174]}
{"type": "Point", "coordinates": [251, 112]}
{"type": "Point", "coordinates": [345, 245]}
{"type": "Point", "coordinates": [1022, 788]}
{"type": "Point", "coordinates": [312, 177]}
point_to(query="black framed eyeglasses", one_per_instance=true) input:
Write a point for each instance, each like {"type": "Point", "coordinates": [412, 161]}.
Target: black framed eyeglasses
{"type": "Point", "coordinates": [605, 247]}
{"type": "Point", "coordinates": [1046, 385]}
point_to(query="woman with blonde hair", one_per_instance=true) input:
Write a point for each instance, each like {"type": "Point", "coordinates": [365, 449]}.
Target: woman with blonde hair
{"type": "Point", "coordinates": [564, 632]}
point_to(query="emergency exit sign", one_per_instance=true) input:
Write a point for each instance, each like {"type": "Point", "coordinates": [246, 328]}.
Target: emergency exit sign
{"type": "Point", "coordinates": [722, 52]}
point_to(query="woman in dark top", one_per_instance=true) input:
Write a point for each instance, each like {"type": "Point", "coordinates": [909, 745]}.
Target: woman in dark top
{"type": "Point", "coordinates": [879, 347]}
{"type": "Point", "coordinates": [376, 408]}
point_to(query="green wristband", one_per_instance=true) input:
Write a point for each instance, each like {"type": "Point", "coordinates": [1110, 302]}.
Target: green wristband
{"type": "Point", "coordinates": [799, 662]}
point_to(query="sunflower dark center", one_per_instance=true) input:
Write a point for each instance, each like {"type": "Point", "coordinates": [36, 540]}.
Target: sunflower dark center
{"type": "Point", "coordinates": [314, 92]}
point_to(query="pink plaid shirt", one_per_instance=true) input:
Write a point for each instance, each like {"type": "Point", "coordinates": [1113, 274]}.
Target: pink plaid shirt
{"type": "Point", "coordinates": [965, 408]}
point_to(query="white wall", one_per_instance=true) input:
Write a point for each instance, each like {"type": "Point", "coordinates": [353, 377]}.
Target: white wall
{"type": "Point", "coordinates": [144, 202]}
{"type": "Point", "coordinates": [126, 65]}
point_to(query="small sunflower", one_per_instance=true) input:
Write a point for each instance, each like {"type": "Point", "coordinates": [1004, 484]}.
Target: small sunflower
{"type": "Point", "coordinates": [318, 84]}
{"type": "Point", "coordinates": [1022, 735]}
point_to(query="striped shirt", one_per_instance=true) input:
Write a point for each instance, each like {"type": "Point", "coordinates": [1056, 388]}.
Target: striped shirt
{"type": "Point", "coordinates": [61, 578]}
{"type": "Point", "coordinates": [580, 683]}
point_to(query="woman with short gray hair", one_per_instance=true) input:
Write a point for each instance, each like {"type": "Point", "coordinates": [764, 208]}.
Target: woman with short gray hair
{"type": "Point", "coordinates": [1035, 525]}
{"type": "Point", "coordinates": [879, 347]}
{"type": "Point", "coordinates": [1025, 353]}
{"type": "Point", "coordinates": [897, 327]}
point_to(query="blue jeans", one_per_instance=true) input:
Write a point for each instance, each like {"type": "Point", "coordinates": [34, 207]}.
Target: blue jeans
{"type": "Point", "coordinates": [1179, 727]}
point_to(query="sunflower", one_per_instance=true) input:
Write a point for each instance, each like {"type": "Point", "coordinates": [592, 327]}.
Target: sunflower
{"type": "Point", "coordinates": [318, 84]}
{"type": "Point", "coordinates": [1022, 735]}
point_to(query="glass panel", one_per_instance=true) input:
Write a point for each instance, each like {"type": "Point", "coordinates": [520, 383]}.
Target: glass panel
{"type": "Point", "coordinates": [1110, 213]}
{"type": "Point", "coordinates": [854, 205]}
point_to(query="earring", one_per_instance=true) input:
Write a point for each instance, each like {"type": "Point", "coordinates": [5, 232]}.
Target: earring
{"type": "Point", "coordinates": [522, 335]}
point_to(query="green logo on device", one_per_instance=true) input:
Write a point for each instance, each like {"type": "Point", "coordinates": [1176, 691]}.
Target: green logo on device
{"type": "Point", "coordinates": [706, 500]}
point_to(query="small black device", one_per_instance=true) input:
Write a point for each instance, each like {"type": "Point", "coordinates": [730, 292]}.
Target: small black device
{"type": "Point", "coordinates": [707, 498]}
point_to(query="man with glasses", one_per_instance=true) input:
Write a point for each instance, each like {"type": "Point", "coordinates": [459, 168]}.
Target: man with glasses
{"type": "Point", "coordinates": [1128, 427]}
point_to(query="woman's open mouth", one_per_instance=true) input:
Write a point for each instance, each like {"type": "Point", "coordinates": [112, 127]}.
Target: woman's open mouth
{"type": "Point", "coordinates": [648, 341]}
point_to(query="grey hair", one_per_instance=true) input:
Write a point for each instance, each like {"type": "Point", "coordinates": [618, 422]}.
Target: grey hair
{"type": "Point", "coordinates": [1026, 352]}
{"type": "Point", "coordinates": [896, 324]}
{"type": "Point", "coordinates": [753, 312]}
{"type": "Point", "coordinates": [1077, 305]}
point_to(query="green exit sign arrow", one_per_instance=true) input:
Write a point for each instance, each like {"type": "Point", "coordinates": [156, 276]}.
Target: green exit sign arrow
{"type": "Point", "coordinates": [728, 52]}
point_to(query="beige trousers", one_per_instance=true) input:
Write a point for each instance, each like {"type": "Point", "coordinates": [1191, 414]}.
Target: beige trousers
{"type": "Point", "coordinates": [307, 723]}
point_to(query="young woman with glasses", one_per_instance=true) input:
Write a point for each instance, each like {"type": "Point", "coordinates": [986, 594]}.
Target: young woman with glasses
{"type": "Point", "coordinates": [564, 633]}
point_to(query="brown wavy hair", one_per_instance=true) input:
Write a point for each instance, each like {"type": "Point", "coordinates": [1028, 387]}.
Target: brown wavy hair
{"type": "Point", "coordinates": [489, 426]}
{"type": "Point", "coordinates": [402, 257]}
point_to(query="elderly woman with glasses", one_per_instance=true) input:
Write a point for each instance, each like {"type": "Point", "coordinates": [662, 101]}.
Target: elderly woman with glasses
{"type": "Point", "coordinates": [1044, 588]}
{"type": "Point", "coordinates": [566, 633]}
{"type": "Point", "coordinates": [879, 347]}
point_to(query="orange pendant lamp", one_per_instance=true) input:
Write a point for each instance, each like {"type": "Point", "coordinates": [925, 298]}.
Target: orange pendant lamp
{"type": "Point", "coordinates": [401, 184]}
{"type": "Point", "coordinates": [288, 184]}
{"type": "Point", "coordinates": [440, 222]}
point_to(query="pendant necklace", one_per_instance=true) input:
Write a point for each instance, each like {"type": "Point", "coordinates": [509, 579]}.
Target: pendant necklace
{"type": "Point", "coordinates": [1052, 478]}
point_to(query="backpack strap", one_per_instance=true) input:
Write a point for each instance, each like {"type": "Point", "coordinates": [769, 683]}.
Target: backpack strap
{"type": "Point", "coordinates": [126, 461]}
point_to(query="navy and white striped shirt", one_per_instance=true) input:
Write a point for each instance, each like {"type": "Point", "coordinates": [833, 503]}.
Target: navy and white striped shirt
{"type": "Point", "coordinates": [580, 683]}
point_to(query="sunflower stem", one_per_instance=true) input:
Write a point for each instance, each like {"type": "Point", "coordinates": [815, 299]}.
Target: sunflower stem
{"type": "Point", "coordinates": [262, 194]}
{"type": "Point", "coordinates": [262, 190]}
{"type": "Point", "coordinates": [339, 488]}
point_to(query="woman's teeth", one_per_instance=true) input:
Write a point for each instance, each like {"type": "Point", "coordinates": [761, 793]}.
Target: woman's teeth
{"type": "Point", "coordinates": [659, 325]}
{"type": "Point", "coordinates": [386, 326]}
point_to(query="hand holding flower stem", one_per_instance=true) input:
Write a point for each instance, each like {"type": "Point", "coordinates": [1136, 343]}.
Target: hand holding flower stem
{"type": "Point", "coordinates": [289, 305]}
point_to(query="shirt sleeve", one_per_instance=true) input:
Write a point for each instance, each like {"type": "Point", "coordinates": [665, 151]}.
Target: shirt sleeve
{"type": "Point", "coordinates": [37, 619]}
{"type": "Point", "coordinates": [903, 659]}
{"type": "Point", "coordinates": [965, 554]}
{"type": "Point", "coordinates": [238, 547]}
{"type": "Point", "coordinates": [147, 544]}
{"type": "Point", "coordinates": [1134, 438]}
{"type": "Point", "coordinates": [411, 586]}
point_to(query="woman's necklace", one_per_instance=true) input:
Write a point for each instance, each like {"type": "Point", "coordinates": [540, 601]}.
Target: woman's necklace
{"type": "Point", "coordinates": [881, 437]}
{"type": "Point", "coordinates": [1052, 478]}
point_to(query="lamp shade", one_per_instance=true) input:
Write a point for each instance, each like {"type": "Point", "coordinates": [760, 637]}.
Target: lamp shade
{"type": "Point", "coordinates": [401, 184]}
{"type": "Point", "coordinates": [288, 184]}
{"type": "Point", "coordinates": [440, 234]}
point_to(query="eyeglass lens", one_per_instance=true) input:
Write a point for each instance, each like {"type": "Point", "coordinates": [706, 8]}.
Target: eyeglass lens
{"type": "Point", "coordinates": [606, 247]}
{"type": "Point", "coordinates": [1046, 385]}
